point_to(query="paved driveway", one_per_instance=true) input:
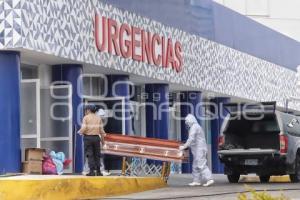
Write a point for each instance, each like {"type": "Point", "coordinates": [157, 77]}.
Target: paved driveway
{"type": "Point", "coordinates": [178, 189]}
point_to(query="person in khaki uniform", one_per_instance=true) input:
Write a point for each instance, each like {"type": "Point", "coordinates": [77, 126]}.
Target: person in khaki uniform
{"type": "Point", "coordinates": [91, 129]}
{"type": "Point", "coordinates": [86, 169]}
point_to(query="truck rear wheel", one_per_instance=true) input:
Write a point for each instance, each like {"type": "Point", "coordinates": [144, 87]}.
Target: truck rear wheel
{"type": "Point", "coordinates": [264, 179]}
{"type": "Point", "coordinates": [233, 178]}
{"type": "Point", "coordinates": [295, 178]}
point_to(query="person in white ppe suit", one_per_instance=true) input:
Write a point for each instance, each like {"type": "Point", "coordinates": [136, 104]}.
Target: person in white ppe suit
{"type": "Point", "coordinates": [197, 143]}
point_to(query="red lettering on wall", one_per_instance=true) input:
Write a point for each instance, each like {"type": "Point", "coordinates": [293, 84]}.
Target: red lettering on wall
{"type": "Point", "coordinates": [178, 53]}
{"type": "Point", "coordinates": [135, 43]}
{"type": "Point", "coordinates": [156, 40]}
{"type": "Point", "coordinates": [126, 49]}
{"type": "Point", "coordinates": [132, 42]}
{"type": "Point", "coordinates": [113, 34]}
{"type": "Point", "coordinates": [170, 61]}
{"type": "Point", "coordinates": [146, 47]}
{"type": "Point", "coordinates": [100, 46]}
{"type": "Point", "coordinates": [163, 52]}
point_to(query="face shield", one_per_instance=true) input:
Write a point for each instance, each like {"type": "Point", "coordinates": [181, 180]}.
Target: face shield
{"type": "Point", "coordinates": [103, 114]}
{"type": "Point", "coordinates": [187, 127]}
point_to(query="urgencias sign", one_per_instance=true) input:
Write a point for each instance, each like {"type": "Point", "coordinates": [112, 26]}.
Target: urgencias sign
{"type": "Point", "coordinates": [132, 42]}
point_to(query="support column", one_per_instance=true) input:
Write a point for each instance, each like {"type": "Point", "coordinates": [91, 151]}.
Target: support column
{"type": "Point", "coordinates": [10, 150]}
{"type": "Point", "coordinates": [188, 105]}
{"type": "Point", "coordinates": [216, 125]}
{"type": "Point", "coordinates": [157, 110]}
{"type": "Point", "coordinates": [71, 73]}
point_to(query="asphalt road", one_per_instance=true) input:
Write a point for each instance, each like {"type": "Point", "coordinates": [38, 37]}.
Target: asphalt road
{"type": "Point", "coordinates": [178, 189]}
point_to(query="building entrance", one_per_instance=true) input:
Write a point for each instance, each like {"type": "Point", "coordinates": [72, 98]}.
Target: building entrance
{"type": "Point", "coordinates": [46, 118]}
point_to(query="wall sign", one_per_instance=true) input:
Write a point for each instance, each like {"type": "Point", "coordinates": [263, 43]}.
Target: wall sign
{"type": "Point", "coordinates": [135, 43]}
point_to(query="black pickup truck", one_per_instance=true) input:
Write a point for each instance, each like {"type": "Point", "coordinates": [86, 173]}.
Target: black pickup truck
{"type": "Point", "coordinates": [263, 141]}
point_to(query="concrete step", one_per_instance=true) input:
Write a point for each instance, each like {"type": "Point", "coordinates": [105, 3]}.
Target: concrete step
{"type": "Point", "coordinates": [45, 187]}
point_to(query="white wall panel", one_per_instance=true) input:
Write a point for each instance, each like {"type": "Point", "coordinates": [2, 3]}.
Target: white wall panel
{"type": "Point", "coordinates": [285, 9]}
{"type": "Point", "coordinates": [219, 1]}
{"type": "Point", "coordinates": [237, 5]}
{"type": "Point", "coordinates": [257, 7]}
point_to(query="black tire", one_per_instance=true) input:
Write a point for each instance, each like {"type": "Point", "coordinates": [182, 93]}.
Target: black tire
{"type": "Point", "coordinates": [264, 179]}
{"type": "Point", "coordinates": [233, 178]}
{"type": "Point", "coordinates": [295, 178]}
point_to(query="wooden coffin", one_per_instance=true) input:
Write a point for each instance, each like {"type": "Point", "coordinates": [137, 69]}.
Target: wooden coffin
{"type": "Point", "coordinates": [151, 148]}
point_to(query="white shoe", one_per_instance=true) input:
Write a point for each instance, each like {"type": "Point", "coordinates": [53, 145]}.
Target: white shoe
{"type": "Point", "coordinates": [85, 173]}
{"type": "Point", "coordinates": [208, 183]}
{"type": "Point", "coordinates": [194, 184]}
{"type": "Point", "coordinates": [105, 173]}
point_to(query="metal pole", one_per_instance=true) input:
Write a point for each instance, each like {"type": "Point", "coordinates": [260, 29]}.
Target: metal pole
{"type": "Point", "coordinates": [124, 166]}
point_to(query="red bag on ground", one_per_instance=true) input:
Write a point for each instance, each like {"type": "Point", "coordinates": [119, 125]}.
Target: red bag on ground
{"type": "Point", "coordinates": [49, 166]}
{"type": "Point", "coordinates": [67, 163]}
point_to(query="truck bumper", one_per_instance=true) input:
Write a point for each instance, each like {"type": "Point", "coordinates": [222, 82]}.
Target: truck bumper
{"type": "Point", "coordinates": [274, 164]}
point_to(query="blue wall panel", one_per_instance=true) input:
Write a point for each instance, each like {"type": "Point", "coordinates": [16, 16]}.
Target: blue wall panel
{"type": "Point", "coordinates": [71, 73]}
{"type": "Point", "coordinates": [10, 150]}
{"type": "Point", "coordinates": [216, 125]}
{"type": "Point", "coordinates": [157, 111]}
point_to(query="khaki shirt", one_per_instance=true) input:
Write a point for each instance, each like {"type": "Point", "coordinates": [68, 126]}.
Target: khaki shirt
{"type": "Point", "coordinates": [92, 125]}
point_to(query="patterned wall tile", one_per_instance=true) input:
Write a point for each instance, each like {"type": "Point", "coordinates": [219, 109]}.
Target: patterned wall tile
{"type": "Point", "coordinates": [10, 23]}
{"type": "Point", "coordinates": [64, 28]}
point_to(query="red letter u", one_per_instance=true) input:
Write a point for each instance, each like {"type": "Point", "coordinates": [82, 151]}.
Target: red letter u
{"type": "Point", "coordinates": [100, 46]}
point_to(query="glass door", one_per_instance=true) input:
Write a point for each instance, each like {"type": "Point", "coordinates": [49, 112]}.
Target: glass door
{"type": "Point", "coordinates": [174, 123]}
{"type": "Point", "coordinates": [138, 118]}
{"type": "Point", "coordinates": [30, 114]}
{"type": "Point", "coordinates": [56, 120]}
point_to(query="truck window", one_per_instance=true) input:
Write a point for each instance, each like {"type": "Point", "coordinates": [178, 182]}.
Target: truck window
{"type": "Point", "coordinates": [293, 126]}
{"type": "Point", "coordinates": [265, 126]}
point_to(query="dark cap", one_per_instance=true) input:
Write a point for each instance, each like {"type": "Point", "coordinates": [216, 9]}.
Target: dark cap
{"type": "Point", "coordinates": [90, 107]}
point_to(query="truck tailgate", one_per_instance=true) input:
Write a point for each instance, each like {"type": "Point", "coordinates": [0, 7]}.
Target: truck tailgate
{"type": "Point", "coordinates": [247, 152]}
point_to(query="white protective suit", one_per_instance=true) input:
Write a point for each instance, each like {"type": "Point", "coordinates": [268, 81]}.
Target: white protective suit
{"type": "Point", "coordinates": [196, 141]}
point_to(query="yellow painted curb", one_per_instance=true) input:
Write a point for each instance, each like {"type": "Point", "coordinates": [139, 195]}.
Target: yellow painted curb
{"type": "Point", "coordinates": [273, 179]}
{"type": "Point", "coordinates": [280, 179]}
{"type": "Point", "coordinates": [75, 188]}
